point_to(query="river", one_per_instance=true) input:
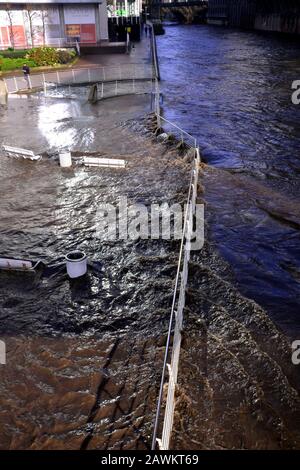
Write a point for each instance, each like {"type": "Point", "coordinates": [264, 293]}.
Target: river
{"type": "Point", "coordinates": [231, 89]}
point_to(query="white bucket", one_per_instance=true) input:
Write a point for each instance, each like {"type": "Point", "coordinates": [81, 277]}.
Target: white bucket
{"type": "Point", "coordinates": [65, 159]}
{"type": "Point", "coordinates": [76, 264]}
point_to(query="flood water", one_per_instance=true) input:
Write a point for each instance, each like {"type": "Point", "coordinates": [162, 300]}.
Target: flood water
{"type": "Point", "coordinates": [232, 90]}
{"type": "Point", "coordinates": [84, 357]}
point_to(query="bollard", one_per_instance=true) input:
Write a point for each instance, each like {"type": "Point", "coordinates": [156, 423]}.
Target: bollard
{"type": "Point", "coordinates": [76, 262]}
{"type": "Point", "coordinates": [65, 159]}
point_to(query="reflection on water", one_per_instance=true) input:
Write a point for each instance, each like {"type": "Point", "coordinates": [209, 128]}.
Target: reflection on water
{"type": "Point", "coordinates": [238, 104]}
{"type": "Point", "coordinates": [58, 135]}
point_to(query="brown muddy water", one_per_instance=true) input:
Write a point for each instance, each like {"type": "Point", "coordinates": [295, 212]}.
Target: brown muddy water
{"type": "Point", "coordinates": [84, 357]}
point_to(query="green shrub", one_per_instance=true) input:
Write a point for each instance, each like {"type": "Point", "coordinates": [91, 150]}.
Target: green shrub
{"type": "Point", "coordinates": [43, 56]}
{"type": "Point", "coordinates": [65, 56]}
{"type": "Point", "coordinates": [36, 57]}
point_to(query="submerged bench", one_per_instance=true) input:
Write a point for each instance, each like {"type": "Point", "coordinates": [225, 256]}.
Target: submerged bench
{"type": "Point", "coordinates": [20, 153]}
{"type": "Point", "coordinates": [14, 264]}
{"type": "Point", "coordinates": [103, 162]}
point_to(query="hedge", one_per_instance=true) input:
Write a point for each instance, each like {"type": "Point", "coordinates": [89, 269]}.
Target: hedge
{"type": "Point", "coordinates": [14, 54]}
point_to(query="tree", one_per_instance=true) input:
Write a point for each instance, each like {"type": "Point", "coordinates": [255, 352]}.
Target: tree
{"type": "Point", "coordinates": [44, 17]}
{"type": "Point", "coordinates": [37, 24]}
{"type": "Point", "coordinates": [30, 14]}
{"type": "Point", "coordinates": [9, 13]}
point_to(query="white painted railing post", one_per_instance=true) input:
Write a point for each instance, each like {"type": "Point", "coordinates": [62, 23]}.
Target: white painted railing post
{"type": "Point", "coordinates": [16, 84]}
{"type": "Point", "coordinates": [6, 87]}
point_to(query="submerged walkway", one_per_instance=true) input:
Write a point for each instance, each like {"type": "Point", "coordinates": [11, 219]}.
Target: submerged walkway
{"type": "Point", "coordinates": [89, 379]}
{"type": "Point", "coordinates": [140, 54]}
{"type": "Point", "coordinates": [92, 68]}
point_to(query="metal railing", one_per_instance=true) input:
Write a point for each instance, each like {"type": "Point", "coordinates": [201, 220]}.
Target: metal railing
{"type": "Point", "coordinates": [171, 359]}
{"type": "Point", "coordinates": [177, 132]}
{"type": "Point", "coordinates": [104, 89]}
{"type": "Point", "coordinates": [82, 75]}
{"type": "Point", "coordinates": [154, 52]}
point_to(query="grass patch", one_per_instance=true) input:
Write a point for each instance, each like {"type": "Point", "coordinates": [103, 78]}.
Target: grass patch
{"type": "Point", "coordinates": [7, 64]}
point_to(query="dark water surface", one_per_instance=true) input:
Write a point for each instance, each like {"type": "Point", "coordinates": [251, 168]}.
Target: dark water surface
{"type": "Point", "coordinates": [232, 90]}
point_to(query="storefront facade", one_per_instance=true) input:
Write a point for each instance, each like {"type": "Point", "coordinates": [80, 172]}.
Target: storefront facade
{"type": "Point", "coordinates": [55, 23]}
